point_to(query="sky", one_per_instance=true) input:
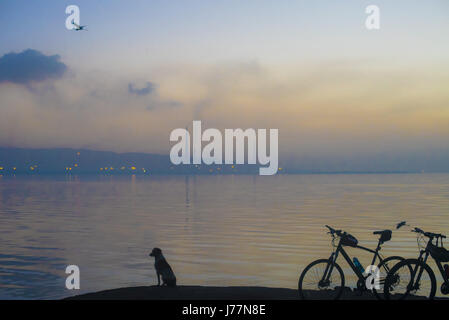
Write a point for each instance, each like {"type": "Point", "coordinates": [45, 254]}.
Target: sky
{"type": "Point", "coordinates": [311, 69]}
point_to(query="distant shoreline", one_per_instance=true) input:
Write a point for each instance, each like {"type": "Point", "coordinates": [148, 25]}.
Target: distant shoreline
{"type": "Point", "coordinates": [69, 161]}
{"type": "Point", "coordinates": [207, 293]}
{"type": "Point", "coordinates": [24, 174]}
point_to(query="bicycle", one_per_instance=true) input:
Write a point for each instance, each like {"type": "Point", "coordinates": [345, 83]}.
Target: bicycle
{"type": "Point", "coordinates": [323, 277]}
{"type": "Point", "coordinates": [415, 276]}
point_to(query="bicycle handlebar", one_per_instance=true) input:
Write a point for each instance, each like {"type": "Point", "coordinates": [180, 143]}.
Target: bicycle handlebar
{"type": "Point", "coordinates": [333, 231]}
{"type": "Point", "coordinates": [429, 234]}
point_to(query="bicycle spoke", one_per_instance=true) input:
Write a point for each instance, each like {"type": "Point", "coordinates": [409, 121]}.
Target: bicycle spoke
{"type": "Point", "coordinates": [314, 284]}
{"type": "Point", "coordinates": [410, 279]}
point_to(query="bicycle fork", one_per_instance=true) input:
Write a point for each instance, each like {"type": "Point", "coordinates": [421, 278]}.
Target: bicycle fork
{"type": "Point", "coordinates": [324, 282]}
{"type": "Point", "coordinates": [415, 285]}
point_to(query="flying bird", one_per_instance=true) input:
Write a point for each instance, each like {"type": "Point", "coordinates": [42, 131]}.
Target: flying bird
{"type": "Point", "coordinates": [401, 224]}
{"type": "Point", "coordinates": [78, 27]}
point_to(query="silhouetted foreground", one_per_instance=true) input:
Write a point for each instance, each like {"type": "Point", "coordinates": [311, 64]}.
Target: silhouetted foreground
{"type": "Point", "coordinates": [206, 293]}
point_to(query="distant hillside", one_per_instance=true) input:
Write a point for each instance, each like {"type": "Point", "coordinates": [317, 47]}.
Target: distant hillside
{"type": "Point", "coordinates": [79, 161]}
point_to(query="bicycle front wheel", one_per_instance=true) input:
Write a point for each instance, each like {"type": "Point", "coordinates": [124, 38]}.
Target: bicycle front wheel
{"type": "Point", "coordinates": [321, 281]}
{"type": "Point", "coordinates": [410, 278]}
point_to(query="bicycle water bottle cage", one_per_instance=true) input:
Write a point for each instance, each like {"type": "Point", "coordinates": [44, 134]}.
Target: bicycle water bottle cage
{"type": "Point", "coordinates": [349, 240]}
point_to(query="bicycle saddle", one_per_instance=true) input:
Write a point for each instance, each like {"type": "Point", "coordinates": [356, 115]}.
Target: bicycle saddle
{"type": "Point", "coordinates": [385, 235]}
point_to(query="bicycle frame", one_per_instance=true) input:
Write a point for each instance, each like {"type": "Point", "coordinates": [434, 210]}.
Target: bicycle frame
{"type": "Point", "coordinates": [340, 249]}
{"type": "Point", "coordinates": [423, 256]}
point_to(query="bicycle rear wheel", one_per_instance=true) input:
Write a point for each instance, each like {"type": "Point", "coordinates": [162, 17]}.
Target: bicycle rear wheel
{"type": "Point", "coordinates": [313, 284]}
{"type": "Point", "coordinates": [410, 279]}
{"type": "Point", "coordinates": [384, 267]}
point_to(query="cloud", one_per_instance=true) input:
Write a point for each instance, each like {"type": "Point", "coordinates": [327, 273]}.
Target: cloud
{"type": "Point", "coordinates": [30, 66]}
{"type": "Point", "coordinates": [149, 88]}
{"type": "Point", "coordinates": [328, 117]}
{"type": "Point", "coordinates": [164, 104]}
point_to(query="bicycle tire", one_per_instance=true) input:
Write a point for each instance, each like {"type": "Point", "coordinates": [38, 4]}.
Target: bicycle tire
{"type": "Point", "coordinates": [384, 264]}
{"type": "Point", "coordinates": [339, 289]}
{"type": "Point", "coordinates": [409, 262]}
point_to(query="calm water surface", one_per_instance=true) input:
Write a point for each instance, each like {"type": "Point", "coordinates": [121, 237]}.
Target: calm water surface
{"type": "Point", "coordinates": [214, 230]}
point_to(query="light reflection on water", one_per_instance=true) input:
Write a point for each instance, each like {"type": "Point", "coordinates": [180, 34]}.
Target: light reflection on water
{"type": "Point", "coordinates": [214, 230]}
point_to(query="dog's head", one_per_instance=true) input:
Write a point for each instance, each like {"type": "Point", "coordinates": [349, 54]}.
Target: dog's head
{"type": "Point", "coordinates": [156, 252]}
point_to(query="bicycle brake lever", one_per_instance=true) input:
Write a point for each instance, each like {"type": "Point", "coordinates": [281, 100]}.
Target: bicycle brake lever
{"type": "Point", "coordinates": [417, 230]}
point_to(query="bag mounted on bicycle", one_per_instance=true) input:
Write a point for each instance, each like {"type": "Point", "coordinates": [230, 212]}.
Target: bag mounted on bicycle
{"type": "Point", "coordinates": [349, 240]}
{"type": "Point", "coordinates": [439, 253]}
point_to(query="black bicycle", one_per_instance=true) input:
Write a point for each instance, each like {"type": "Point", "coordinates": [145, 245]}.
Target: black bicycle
{"type": "Point", "coordinates": [414, 277]}
{"type": "Point", "coordinates": [324, 278]}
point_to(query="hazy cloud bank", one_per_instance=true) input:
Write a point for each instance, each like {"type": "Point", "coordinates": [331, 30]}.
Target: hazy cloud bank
{"type": "Point", "coordinates": [339, 111]}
